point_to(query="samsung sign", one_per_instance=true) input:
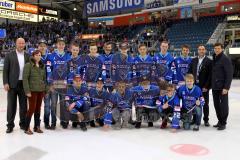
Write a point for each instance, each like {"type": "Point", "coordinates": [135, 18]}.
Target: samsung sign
{"type": "Point", "coordinates": [96, 7]}
{"type": "Point", "coordinates": [7, 4]}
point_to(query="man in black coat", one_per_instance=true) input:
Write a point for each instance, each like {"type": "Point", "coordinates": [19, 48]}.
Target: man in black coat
{"type": "Point", "coordinates": [201, 68]}
{"type": "Point", "coordinates": [222, 74]}
{"type": "Point", "coordinates": [12, 81]}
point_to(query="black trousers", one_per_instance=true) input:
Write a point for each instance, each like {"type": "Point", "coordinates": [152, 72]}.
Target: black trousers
{"type": "Point", "coordinates": [206, 106]}
{"type": "Point", "coordinates": [221, 106]}
{"type": "Point", "coordinates": [12, 95]}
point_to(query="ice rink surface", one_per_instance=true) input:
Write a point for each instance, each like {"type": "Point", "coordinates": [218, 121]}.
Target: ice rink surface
{"type": "Point", "coordinates": [143, 144]}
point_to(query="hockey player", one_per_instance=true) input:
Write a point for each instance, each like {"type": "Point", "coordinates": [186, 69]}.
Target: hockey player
{"type": "Point", "coordinates": [99, 98]}
{"type": "Point", "coordinates": [57, 76]}
{"type": "Point", "coordinates": [93, 66]}
{"type": "Point", "coordinates": [42, 47]}
{"type": "Point", "coordinates": [77, 100]}
{"type": "Point", "coordinates": [106, 58]}
{"type": "Point", "coordinates": [169, 105]}
{"type": "Point", "coordinates": [164, 57]}
{"type": "Point", "coordinates": [192, 103]}
{"type": "Point", "coordinates": [121, 113]}
{"type": "Point", "coordinates": [121, 64]}
{"type": "Point", "coordinates": [142, 63]}
{"type": "Point", "coordinates": [181, 66]}
{"type": "Point", "coordinates": [76, 62]}
{"type": "Point", "coordinates": [145, 96]}
{"type": "Point", "coordinates": [162, 70]}
{"type": "Point", "coordinates": [143, 57]}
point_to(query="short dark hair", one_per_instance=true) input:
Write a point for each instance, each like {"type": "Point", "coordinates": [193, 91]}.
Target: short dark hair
{"type": "Point", "coordinates": [201, 45]}
{"type": "Point", "coordinates": [75, 44]}
{"type": "Point", "coordinates": [170, 86]}
{"type": "Point", "coordinates": [107, 43]}
{"type": "Point", "coordinates": [185, 46]}
{"type": "Point", "coordinates": [218, 44]}
{"type": "Point", "coordinates": [142, 45]}
{"type": "Point", "coordinates": [164, 41]}
{"type": "Point", "coordinates": [92, 44]}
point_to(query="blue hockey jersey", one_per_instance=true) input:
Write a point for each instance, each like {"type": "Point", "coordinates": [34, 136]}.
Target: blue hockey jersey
{"type": "Point", "coordinates": [75, 65]}
{"type": "Point", "coordinates": [180, 67]}
{"type": "Point", "coordinates": [161, 72]}
{"type": "Point", "coordinates": [57, 67]}
{"type": "Point", "coordinates": [93, 68]}
{"type": "Point", "coordinates": [146, 97]}
{"type": "Point", "coordinates": [45, 57]}
{"type": "Point", "coordinates": [79, 95]}
{"type": "Point", "coordinates": [140, 59]}
{"type": "Point", "coordinates": [166, 59]}
{"type": "Point", "coordinates": [121, 68]}
{"type": "Point", "coordinates": [141, 66]}
{"type": "Point", "coordinates": [172, 101]}
{"type": "Point", "coordinates": [123, 101]}
{"type": "Point", "coordinates": [190, 96]}
{"type": "Point", "coordinates": [106, 71]}
{"type": "Point", "coordinates": [99, 97]}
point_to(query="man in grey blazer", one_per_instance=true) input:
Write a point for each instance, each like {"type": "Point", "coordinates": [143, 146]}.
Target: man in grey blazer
{"type": "Point", "coordinates": [12, 81]}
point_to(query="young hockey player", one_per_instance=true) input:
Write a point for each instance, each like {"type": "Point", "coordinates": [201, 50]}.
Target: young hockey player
{"type": "Point", "coordinates": [181, 66]}
{"type": "Point", "coordinates": [164, 57]}
{"type": "Point", "coordinates": [121, 113]}
{"type": "Point", "coordinates": [42, 47]}
{"type": "Point", "coordinates": [192, 103]}
{"type": "Point", "coordinates": [77, 100]}
{"type": "Point", "coordinates": [142, 63]}
{"type": "Point", "coordinates": [121, 64]}
{"type": "Point", "coordinates": [169, 105]}
{"type": "Point", "coordinates": [57, 76]}
{"type": "Point", "coordinates": [48, 110]}
{"type": "Point", "coordinates": [76, 62]}
{"type": "Point", "coordinates": [93, 66]}
{"type": "Point", "coordinates": [145, 96]}
{"type": "Point", "coordinates": [106, 58]}
{"type": "Point", "coordinates": [101, 98]}
{"type": "Point", "coordinates": [143, 57]}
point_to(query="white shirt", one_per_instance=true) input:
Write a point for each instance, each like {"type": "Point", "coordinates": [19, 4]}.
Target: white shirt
{"type": "Point", "coordinates": [21, 62]}
{"type": "Point", "coordinates": [200, 60]}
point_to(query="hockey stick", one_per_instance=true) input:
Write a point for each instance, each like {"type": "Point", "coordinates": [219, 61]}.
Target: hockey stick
{"type": "Point", "coordinates": [192, 108]}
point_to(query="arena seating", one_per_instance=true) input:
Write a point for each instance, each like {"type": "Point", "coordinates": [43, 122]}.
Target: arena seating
{"type": "Point", "coordinates": [193, 33]}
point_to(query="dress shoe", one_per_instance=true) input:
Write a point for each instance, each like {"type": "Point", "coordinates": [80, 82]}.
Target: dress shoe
{"type": "Point", "coordinates": [221, 127]}
{"type": "Point", "coordinates": [9, 130]}
{"type": "Point", "coordinates": [206, 124]}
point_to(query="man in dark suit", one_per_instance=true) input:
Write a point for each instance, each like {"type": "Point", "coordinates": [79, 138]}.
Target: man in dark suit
{"type": "Point", "coordinates": [201, 68]}
{"type": "Point", "coordinates": [12, 81]}
{"type": "Point", "coordinates": [222, 74]}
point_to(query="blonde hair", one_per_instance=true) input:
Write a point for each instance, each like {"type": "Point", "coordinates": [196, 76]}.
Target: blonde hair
{"type": "Point", "coordinates": [189, 76]}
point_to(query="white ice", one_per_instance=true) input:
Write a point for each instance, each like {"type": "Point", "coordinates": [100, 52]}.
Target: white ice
{"type": "Point", "coordinates": [143, 144]}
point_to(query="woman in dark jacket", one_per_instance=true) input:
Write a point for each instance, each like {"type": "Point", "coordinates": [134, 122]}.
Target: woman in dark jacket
{"type": "Point", "coordinates": [34, 84]}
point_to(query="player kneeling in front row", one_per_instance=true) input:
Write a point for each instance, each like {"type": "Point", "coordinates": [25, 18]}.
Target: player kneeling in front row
{"type": "Point", "coordinates": [77, 100]}
{"type": "Point", "coordinates": [145, 96]}
{"type": "Point", "coordinates": [121, 112]}
{"type": "Point", "coordinates": [192, 103]}
{"type": "Point", "coordinates": [169, 105]}
{"type": "Point", "coordinates": [101, 104]}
